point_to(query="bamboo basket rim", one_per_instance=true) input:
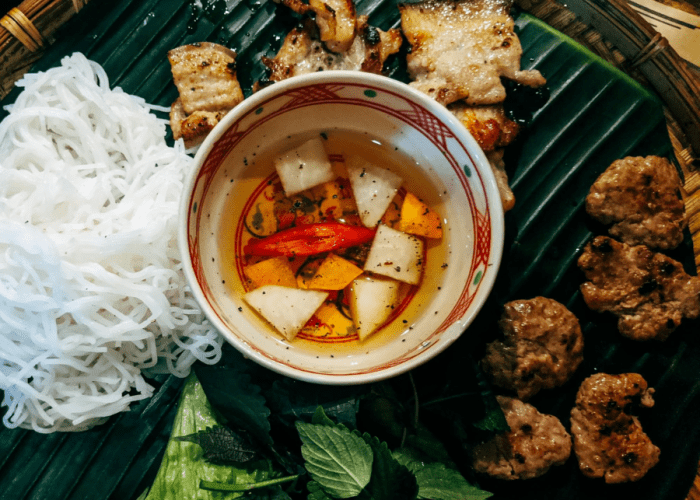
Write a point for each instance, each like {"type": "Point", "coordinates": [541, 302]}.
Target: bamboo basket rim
{"type": "Point", "coordinates": [609, 28]}
{"type": "Point", "coordinates": [26, 31]}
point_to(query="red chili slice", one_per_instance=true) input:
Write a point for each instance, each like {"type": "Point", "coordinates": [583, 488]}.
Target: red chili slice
{"type": "Point", "coordinates": [310, 239]}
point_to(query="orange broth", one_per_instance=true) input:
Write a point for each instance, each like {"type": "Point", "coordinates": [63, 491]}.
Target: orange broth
{"type": "Point", "coordinates": [267, 211]}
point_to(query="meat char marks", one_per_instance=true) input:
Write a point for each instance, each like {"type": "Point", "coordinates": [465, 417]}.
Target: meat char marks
{"type": "Point", "coordinates": [460, 49]}
{"type": "Point", "coordinates": [649, 292]}
{"type": "Point", "coordinates": [341, 40]}
{"type": "Point", "coordinates": [535, 443]}
{"type": "Point", "coordinates": [336, 21]}
{"type": "Point", "coordinates": [489, 124]}
{"type": "Point", "coordinates": [609, 443]}
{"type": "Point", "coordinates": [639, 198]}
{"type": "Point", "coordinates": [205, 76]}
{"type": "Point", "coordinates": [541, 349]}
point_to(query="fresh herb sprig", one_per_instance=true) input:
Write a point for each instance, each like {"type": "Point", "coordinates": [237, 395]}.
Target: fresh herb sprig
{"type": "Point", "coordinates": [280, 439]}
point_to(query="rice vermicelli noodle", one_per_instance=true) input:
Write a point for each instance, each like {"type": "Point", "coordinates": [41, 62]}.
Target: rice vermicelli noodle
{"type": "Point", "coordinates": [91, 286]}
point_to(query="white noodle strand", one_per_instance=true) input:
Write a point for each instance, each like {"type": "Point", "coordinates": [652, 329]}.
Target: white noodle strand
{"type": "Point", "coordinates": [91, 285]}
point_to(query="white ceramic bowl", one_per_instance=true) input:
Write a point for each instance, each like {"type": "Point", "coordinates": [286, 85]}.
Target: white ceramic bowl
{"type": "Point", "coordinates": [447, 168]}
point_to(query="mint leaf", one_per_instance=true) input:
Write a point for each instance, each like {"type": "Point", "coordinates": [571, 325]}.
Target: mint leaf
{"type": "Point", "coordinates": [339, 460]}
{"type": "Point", "coordinates": [494, 420]}
{"type": "Point", "coordinates": [382, 413]}
{"type": "Point", "coordinates": [410, 458]}
{"type": "Point", "coordinates": [459, 397]}
{"type": "Point", "coordinates": [437, 482]}
{"type": "Point", "coordinates": [421, 439]}
{"type": "Point", "coordinates": [316, 492]}
{"type": "Point", "coordinates": [220, 444]}
{"type": "Point", "coordinates": [390, 479]}
{"type": "Point", "coordinates": [320, 418]}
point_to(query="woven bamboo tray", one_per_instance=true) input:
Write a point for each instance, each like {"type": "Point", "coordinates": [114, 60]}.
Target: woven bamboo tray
{"type": "Point", "coordinates": [614, 31]}
{"type": "Point", "coordinates": [26, 30]}
{"type": "Point", "coordinates": [609, 28]}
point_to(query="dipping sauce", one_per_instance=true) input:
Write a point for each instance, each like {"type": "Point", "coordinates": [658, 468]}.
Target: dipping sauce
{"type": "Point", "coordinates": [267, 211]}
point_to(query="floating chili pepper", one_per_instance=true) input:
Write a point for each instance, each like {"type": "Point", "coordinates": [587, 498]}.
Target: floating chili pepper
{"type": "Point", "coordinates": [310, 239]}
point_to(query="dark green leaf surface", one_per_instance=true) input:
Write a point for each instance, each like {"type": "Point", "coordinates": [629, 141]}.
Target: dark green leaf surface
{"type": "Point", "coordinates": [237, 398]}
{"type": "Point", "coordinates": [316, 492]}
{"type": "Point", "coordinates": [390, 479]}
{"type": "Point", "coordinates": [336, 458]}
{"type": "Point", "coordinates": [291, 400]}
{"type": "Point", "coordinates": [594, 115]}
{"type": "Point", "coordinates": [221, 445]}
{"type": "Point", "coordinates": [437, 482]}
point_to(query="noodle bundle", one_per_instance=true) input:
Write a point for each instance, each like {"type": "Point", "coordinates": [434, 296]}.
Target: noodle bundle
{"type": "Point", "coordinates": [91, 284]}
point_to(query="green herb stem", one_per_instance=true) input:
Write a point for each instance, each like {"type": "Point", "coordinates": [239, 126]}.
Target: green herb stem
{"type": "Point", "coordinates": [214, 486]}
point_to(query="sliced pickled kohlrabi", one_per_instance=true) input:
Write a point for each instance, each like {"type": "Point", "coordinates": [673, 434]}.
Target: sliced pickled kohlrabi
{"type": "Point", "coordinates": [396, 254]}
{"type": "Point", "coordinates": [373, 188]}
{"type": "Point", "coordinates": [304, 167]}
{"type": "Point", "coordinates": [287, 309]}
{"type": "Point", "coordinates": [372, 300]}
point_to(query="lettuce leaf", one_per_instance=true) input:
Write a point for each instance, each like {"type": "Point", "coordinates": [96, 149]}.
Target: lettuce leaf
{"type": "Point", "coordinates": [182, 467]}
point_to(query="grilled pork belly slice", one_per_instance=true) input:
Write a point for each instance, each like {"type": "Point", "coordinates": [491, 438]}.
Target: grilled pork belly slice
{"type": "Point", "coordinates": [489, 125]}
{"type": "Point", "coordinates": [493, 131]}
{"type": "Point", "coordinates": [304, 52]}
{"type": "Point", "coordinates": [192, 128]}
{"type": "Point", "coordinates": [460, 49]}
{"type": "Point", "coordinates": [336, 21]}
{"type": "Point", "coordinates": [205, 77]}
